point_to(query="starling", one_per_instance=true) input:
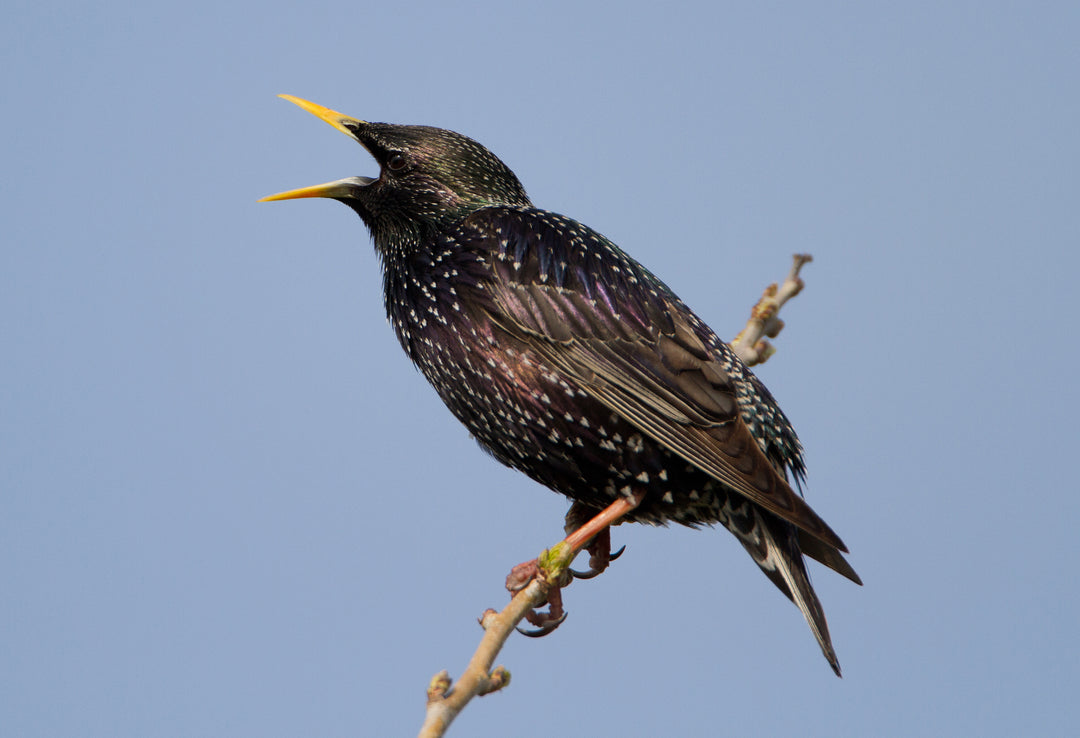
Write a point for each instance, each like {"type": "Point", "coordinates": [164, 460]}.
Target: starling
{"type": "Point", "coordinates": [569, 361]}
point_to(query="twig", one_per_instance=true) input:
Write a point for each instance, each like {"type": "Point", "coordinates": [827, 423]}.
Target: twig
{"type": "Point", "coordinates": [443, 702]}
{"type": "Point", "coordinates": [750, 345]}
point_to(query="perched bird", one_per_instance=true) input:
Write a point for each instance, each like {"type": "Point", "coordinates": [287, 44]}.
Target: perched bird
{"type": "Point", "coordinates": [571, 362]}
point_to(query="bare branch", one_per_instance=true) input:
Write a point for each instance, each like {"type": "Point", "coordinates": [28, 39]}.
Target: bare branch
{"type": "Point", "coordinates": [444, 703]}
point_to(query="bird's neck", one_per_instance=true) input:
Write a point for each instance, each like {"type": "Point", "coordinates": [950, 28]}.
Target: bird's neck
{"type": "Point", "coordinates": [397, 238]}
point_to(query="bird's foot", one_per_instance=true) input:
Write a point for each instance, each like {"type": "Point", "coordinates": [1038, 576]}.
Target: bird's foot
{"type": "Point", "coordinates": [546, 622]}
{"type": "Point", "coordinates": [578, 518]}
{"type": "Point", "coordinates": [520, 576]}
{"type": "Point", "coordinates": [600, 556]}
{"type": "Point", "coordinates": [552, 567]}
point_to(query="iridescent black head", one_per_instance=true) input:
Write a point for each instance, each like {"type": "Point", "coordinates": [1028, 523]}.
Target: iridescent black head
{"type": "Point", "coordinates": [428, 178]}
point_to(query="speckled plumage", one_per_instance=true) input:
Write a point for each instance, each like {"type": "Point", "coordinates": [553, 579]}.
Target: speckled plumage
{"type": "Point", "coordinates": [569, 361]}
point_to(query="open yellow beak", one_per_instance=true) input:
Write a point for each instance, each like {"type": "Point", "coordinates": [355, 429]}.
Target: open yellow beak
{"type": "Point", "coordinates": [337, 189]}
{"type": "Point", "coordinates": [345, 124]}
{"type": "Point", "coordinates": [334, 118]}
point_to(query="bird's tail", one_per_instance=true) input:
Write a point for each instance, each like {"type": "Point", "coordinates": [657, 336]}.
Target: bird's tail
{"type": "Point", "coordinates": [774, 545]}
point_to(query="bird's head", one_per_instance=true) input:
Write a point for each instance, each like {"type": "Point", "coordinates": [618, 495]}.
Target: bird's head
{"type": "Point", "coordinates": [428, 178]}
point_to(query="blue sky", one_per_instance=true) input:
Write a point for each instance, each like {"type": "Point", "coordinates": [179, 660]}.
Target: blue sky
{"type": "Point", "coordinates": [229, 505]}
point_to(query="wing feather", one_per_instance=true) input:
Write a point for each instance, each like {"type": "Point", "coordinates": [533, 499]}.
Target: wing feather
{"type": "Point", "coordinates": [657, 381]}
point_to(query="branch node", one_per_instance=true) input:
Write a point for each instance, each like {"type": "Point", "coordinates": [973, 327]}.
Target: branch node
{"type": "Point", "coordinates": [554, 563]}
{"type": "Point", "coordinates": [488, 619]}
{"type": "Point", "coordinates": [496, 680]}
{"type": "Point", "coordinates": [438, 686]}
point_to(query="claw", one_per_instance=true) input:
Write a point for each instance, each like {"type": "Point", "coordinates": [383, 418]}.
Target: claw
{"type": "Point", "coordinates": [592, 571]}
{"type": "Point", "coordinates": [544, 629]}
{"type": "Point", "coordinates": [599, 548]}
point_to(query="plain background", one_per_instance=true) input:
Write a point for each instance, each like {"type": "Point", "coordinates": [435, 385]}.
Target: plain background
{"type": "Point", "coordinates": [230, 507]}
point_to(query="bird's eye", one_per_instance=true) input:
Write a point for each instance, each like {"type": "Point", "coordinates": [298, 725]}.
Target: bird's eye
{"type": "Point", "coordinates": [396, 162]}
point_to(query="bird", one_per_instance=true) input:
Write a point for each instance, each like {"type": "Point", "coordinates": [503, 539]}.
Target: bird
{"type": "Point", "coordinates": [571, 362]}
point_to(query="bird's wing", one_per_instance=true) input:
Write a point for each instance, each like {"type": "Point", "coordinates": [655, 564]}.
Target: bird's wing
{"type": "Point", "coordinates": [596, 315]}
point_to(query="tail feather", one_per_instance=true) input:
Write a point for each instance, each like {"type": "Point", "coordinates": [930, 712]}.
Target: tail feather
{"type": "Point", "coordinates": [774, 546]}
{"type": "Point", "coordinates": [827, 555]}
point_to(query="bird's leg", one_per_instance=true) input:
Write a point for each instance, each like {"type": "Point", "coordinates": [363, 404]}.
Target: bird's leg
{"type": "Point", "coordinates": [553, 565]}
